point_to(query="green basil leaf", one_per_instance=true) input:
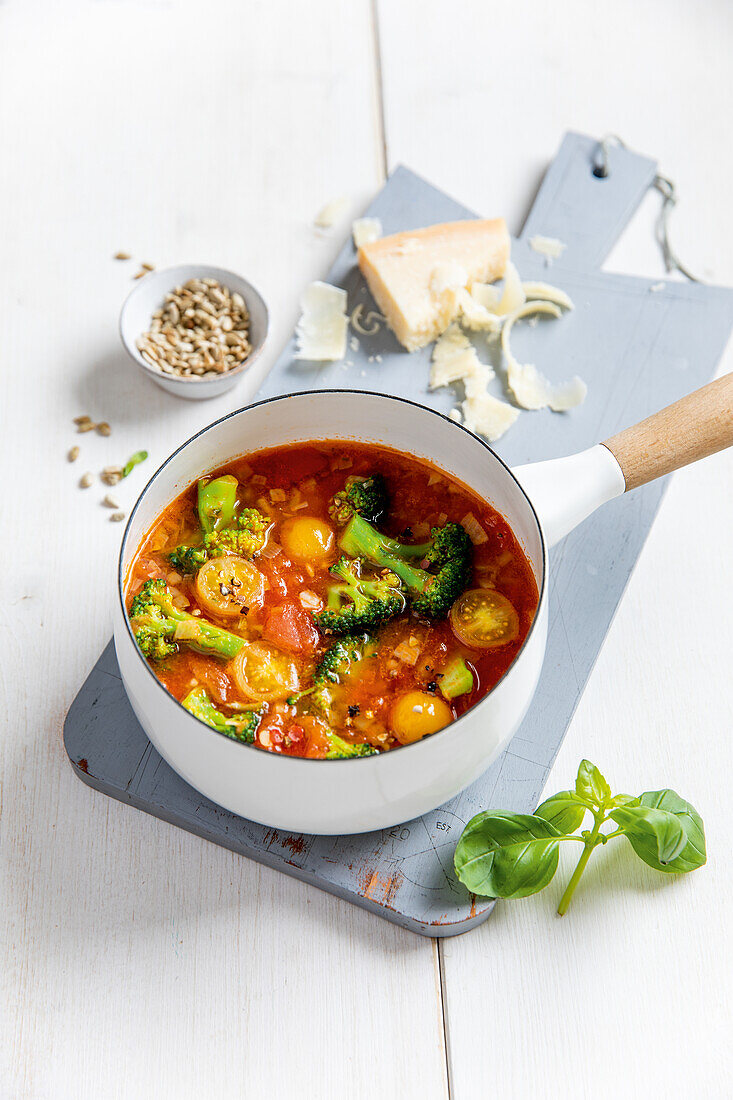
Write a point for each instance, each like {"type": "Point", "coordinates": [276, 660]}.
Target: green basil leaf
{"type": "Point", "coordinates": [506, 855]}
{"type": "Point", "coordinates": [657, 836]}
{"type": "Point", "coordinates": [625, 800]}
{"type": "Point", "coordinates": [591, 784]}
{"type": "Point", "coordinates": [564, 810]}
{"type": "Point", "coordinates": [693, 855]}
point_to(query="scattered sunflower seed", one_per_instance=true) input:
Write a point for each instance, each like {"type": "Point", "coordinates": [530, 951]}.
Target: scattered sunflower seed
{"type": "Point", "coordinates": [200, 331]}
{"type": "Point", "coordinates": [122, 256]}
{"type": "Point", "coordinates": [148, 267]}
{"type": "Point", "coordinates": [85, 481]}
{"type": "Point", "coordinates": [103, 428]}
{"type": "Point", "coordinates": [141, 272]}
{"type": "Point", "coordinates": [110, 502]}
{"type": "Point", "coordinates": [111, 475]}
{"type": "Point", "coordinates": [87, 426]}
{"type": "Point", "coordinates": [117, 517]}
{"type": "Point", "coordinates": [73, 454]}
{"type": "Point", "coordinates": [78, 420]}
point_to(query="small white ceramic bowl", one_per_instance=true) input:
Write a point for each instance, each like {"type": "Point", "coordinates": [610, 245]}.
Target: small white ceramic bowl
{"type": "Point", "coordinates": [149, 294]}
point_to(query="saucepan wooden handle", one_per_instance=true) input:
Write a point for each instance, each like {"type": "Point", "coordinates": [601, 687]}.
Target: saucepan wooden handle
{"type": "Point", "coordinates": [694, 427]}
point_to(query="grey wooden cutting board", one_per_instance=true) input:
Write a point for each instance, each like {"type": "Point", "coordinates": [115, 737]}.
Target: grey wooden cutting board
{"type": "Point", "coordinates": [639, 346]}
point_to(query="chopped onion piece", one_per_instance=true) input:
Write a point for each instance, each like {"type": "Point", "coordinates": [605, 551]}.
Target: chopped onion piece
{"type": "Point", "coordinates": [407, 653]}
{"type": "Point", "coordinates": [474, 530]}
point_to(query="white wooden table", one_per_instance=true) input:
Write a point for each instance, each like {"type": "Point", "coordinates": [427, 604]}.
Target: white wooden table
{"type": "Point", "coordinates": [138, 961]}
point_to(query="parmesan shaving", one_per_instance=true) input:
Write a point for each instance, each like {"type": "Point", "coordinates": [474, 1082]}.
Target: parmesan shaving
{"type": "Point", "coordinates": [455, 360]}
{"type": "Point", "coordinates": [366, 230]}
{"type": "Point", "coordinates": [372, 319]}
{"type": "Point", "coordinates": [488, 416]}
{"type": "Point", "coordinates": [322, 328]}
{"type": "Point", "coordinates": [474, 315]}
{"type": "Point", "coordinates": [548, 294]}
{"type": "Point", "coordinates": [513, 295]}
{"type": "Point", "coordinates": [549, 247]}
{"type": "Point", "coordinates": [331, 213]}
{"type": "Point", "coordinates": [530, 388]}
{"type": "Point", "coordinates": [486, 295]}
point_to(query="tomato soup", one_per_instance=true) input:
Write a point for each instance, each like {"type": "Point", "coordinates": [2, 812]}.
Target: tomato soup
{"type": "Point", "coordinates": [330, 600]}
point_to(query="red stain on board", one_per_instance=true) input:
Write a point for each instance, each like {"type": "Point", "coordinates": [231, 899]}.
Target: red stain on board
{"type": "Point", "coordinates": [83, 765]}
{"type": "Point", "coordinates": [379, 887]}
{"type": "Point", "coordinates": [296, 844]}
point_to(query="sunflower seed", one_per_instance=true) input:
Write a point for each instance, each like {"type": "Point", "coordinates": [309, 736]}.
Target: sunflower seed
{"type": "Point", "coordinates": [85, 481]}
{"type": "Point", "coordinates": [121, 256]}
{"type": "Point", "coordinates": [110, 502]}
{"type": "Point", "coordinates": [103, 428]}
{"type": "Point", "coordinates": [73, 454]}
{"type": "Point", "coordinates": [117, 517]}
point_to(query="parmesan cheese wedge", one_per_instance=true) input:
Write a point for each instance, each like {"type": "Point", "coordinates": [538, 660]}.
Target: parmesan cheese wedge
{"type": "Point", "coordinates": [530, 388]}
{"type": "Point", "coordinates": [322, 328]}
{"type": "Point", "coordinates": [412, 275]}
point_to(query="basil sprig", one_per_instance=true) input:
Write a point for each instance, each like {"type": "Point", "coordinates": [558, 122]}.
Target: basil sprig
{"type": "Point", "coordinates": [506, 855]}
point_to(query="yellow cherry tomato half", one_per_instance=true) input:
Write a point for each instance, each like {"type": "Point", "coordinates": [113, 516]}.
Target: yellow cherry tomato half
{"type": "Point", "coordinates": [416, 714]}
{"type": "Point", "coordinates": [307, 539]}
{"type": "Point", "coordinates": [264, 674]}
{"type": "Point", "coordinates": [484, 619]}
{"type": "Point", "coordinates": [228, 585]}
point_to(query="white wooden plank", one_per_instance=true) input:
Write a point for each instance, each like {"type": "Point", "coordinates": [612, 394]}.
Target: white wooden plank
{"type": "Point", "coordinates": [626, 994]}
{"type": "Point", "coordinates": [138, 960]}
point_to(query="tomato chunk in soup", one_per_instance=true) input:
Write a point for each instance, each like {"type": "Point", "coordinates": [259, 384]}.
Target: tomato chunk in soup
{"type": "Point", "coordinates": [256, 637]}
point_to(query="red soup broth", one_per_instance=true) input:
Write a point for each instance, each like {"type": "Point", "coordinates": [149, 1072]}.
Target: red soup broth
{"type": "Point", "coordinates": [404, 656]}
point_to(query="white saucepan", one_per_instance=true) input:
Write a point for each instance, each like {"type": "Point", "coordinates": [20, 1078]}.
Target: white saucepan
{"type": "Point", "coordinates": [542, 503]}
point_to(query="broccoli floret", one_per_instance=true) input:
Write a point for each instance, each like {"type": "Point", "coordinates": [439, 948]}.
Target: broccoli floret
{"type": "Point", "coordinates": [188, 559]}
{"type": "Point", "coordinates": [339, 749]}
{"type": "Point", "coordinates": [333, 666]}
{"type": "Point", "coordinates": [241, 728]}
{"type": "Point", "coordinates": [158, 625]}
{"type": "Point", "coordinates": [360, 603]}
{"type": "Point", "coordinates": [360, 496]}
{"type": "Point", "coordinates": [445, 562]}
{"type": "Point", "coordinates": [246, 536]}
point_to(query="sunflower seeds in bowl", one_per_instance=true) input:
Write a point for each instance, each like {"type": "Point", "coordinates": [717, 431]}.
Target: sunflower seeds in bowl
{"type": "Point", "coordinates": [194, 330]}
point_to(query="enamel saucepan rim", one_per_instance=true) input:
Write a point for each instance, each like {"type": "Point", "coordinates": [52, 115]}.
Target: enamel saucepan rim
{"type": "Point", "coordinates": [310, 394]}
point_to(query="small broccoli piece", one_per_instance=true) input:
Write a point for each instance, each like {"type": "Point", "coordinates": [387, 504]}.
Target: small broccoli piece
{"type": "Point", "coordinates": [188, 559]}
{"type": "Point", "coordinates": [241, 728]}
{"type": "Point", "coordinates": [339, 749]}
{"type": "Point", "coordinates": [446, 562]}
{"type": "Point", "coordinates": [246, 536]}
{"type": "Point", "coordinates": [158, 625]}
{"type": "Point", "coordinates": [153, 644]}
{"type": "Point", "coordinates": [360, 603]}
{"type": "Point", "coordinates": [360, 496]}
{"type": "Point", "coordinates": [333, 666]}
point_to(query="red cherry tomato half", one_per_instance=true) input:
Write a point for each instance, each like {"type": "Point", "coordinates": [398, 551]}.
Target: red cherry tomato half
{"type": "Point", "coordinates": [290, 627]}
